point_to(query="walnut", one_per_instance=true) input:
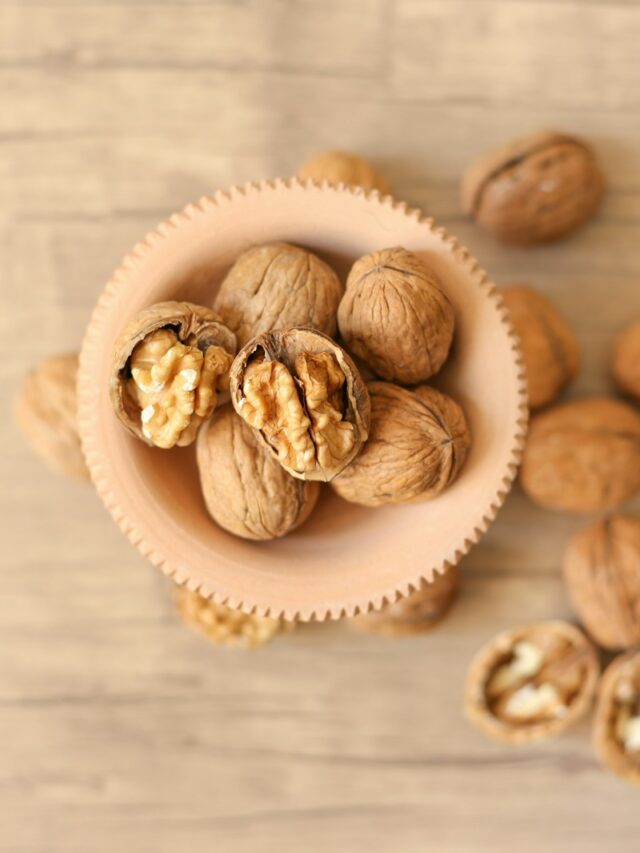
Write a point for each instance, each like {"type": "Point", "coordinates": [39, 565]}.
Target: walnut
{"type": "Point", "coordinates": [626, 361]}
{"type": "Point", "coordinates": [418, 443]}
{"type": "Point", "coordinates": [583, 456]}
{"type": "Point", "coordinates": [549, 347]}
{"type": "Point", "coordinates": [275, 287]}
{"type": "Point", "coordinates": [225, 626]}
{"type": "Point", "coordinates": [341, 167]}
{"type": "Point", "coordinates": [247, 492]}
{"type": "Point", "coordinates": [396, 316]}
{"type": "Point", "coordinates": [305, 399]}
{"type": "Point", "coordinates": [46, 411]}
{"type": "Point", "coordinates": [532, 682]}
{"type": "Point", "coordinates": [602, 574]}
{"type": "Point", "coordinates": [414, 613]}
{"type": "Point", "coordinates": [533, 189]}
{"type": "Point", "coordinates": [617, 722]}
{"type": "Point", "coordinates": [169, 364]}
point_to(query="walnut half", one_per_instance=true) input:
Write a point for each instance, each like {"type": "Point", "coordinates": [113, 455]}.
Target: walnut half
{"type": "Point", "coordinates": [617, 721]}
{"type": "Point", "coordinates": [305, 399]}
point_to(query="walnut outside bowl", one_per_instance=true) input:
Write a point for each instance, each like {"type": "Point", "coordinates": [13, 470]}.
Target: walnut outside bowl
{"type": "Point", "coordinates": [345, 558]}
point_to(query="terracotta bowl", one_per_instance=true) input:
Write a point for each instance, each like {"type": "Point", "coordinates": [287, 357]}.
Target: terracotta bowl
{"type": "Point", "coordinates": [346, 558]}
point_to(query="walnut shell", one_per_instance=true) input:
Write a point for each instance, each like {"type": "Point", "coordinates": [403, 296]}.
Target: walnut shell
{"type": "Point", "coordinates": [549, 347]}
{"type": "Point", "coordinates": [46, 412]}
{"type": "Point", "coordinates": [602, 574]}
{"type": "Point", "coordinates": [194, 326]}
{"type": "Point", "coordinates": [341, 167]}
{"type": "Point", "coordinates": [616, 730]}
{"type": "Point", "coordinates": [278, 286]}
{"type": "Point", "coordinates": [583, 456]}
{"type": "Point", "coordinates": [305, 399]}
{"type": "Point", "coordinates": [247, 492]}
{"type": "Point", "coordinates": [415, 613]}
{"type": "Point", "coordinates": [626, 361]}
{"type": "Point", "coordinates": [532, 682]}
{"type": "Point", "coordinates": [396, 316]}
{"type": "Point", "coordinates": [533, 189]}
{"type": "Point", "coordinates": [418, 443]}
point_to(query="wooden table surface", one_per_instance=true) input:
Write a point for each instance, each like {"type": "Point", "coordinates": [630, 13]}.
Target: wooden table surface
{"type": "Point", "coordinates": [120, 729]}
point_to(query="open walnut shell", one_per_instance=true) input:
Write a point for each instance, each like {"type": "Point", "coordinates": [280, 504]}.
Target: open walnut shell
{"type": "Point", "coordinates": [169, 364]}
{"type": "Point", "coordinates": [305, 399]}
{"type": "Point", "coordinates": [616, 730]}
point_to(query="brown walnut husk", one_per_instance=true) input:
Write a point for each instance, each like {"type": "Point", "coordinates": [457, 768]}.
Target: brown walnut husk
{"type": "Point", "coordinates": [247, 492]}
{"type": "Point", "coordinates": [583, 456]}
{"type": "Point", "coordinates": [549, 347]}
{"type": "Point", "coordinates": [415, 613]}
{"type": "Point", "coordinates": [533, 189]}
{"type": "Point", "coordinates": [396, 317]}
{"type": "Point", "coordinates": [341, 167]}
{"type": "Point", "coordinates": [194, 326]}
{"type": "Point", "coordinates": [531, 683]}
{"type": "Point", "coordinates": [616, 731]}
{"type": "Point", "coordinates": [417, 445]}
{"type": "Point", "coordinates": [602, 574]}
{"type": "Point", "coordinates": [46, 412]}
{"type": "Point", "coordinates": [278, 286]}
{"type": "Point", "coordinates": [304, 398]}
{"type": "Point", "coordinates": [626, 361]}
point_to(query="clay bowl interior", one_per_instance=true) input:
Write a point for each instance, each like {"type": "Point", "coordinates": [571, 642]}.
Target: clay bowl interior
{"type": "Point", "coordinates": [346, 558]}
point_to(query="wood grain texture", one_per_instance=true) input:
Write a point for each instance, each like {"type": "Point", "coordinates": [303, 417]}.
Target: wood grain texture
{"type": "Point", "coordinates": [120, 728]}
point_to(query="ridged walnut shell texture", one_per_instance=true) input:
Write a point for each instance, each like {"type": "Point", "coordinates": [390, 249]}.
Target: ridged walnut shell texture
{"type": "Point", "coordinates": [602, 574]}
{"type": "Point", "coordinates": [549, 347]}
{"type": "Point", "coordinates": [396, 316]}
{"type": "Point", "coordinates": [626, 361]}
{"type": "Point", "coordinates": [194, 325]}
{"type": "Point", "coordinates": [534, 189]}
{"type": "Point", "coordinates": [341, 167]}
{"type": "Point", "coordinates": [417, 445]}
{"type": "Point", "coordinates": [583, 456]}
{"type": "Point", "coordinates": [247, 492]}
{"type": "Point", "coordinates": [617, 718]}
{"type": "Point", "coordinates": [46, 412]}
{"type": "Point", "coordinates": [415, 613]}
{"type": "Point", "coordinates": [278, 286]}
{"type": "Point", "coordinates": [284, 348]}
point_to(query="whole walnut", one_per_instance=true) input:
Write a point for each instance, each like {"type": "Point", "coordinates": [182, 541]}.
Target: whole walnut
{"type": "Point", "coordinates": [396, 317]}
{"type": "Point", "coordinates": [533, 189]}
{"type": "Point", "coordinates": [305, 400]}
{"type": "Point", "coordinates": [549, 347]}
{"type": "Point", "coordinates": [275, 287]}
{"type": "Point", "coordinates": [583, 456]}
{"type": "Point", "coordinates": [602, 574]}
{"type": "Point", "coordinates": [341, 167]}
{"type": "Point", "coordinates": [247, 492]}
{"type": "Point", "coordinates": [626, 361]}
{"type": "Point", "coordinates": [46, 411]}
{"type": "Point", "coordinates": [412, 614]}
{"type": "Point", "coordinates": [417, 445]}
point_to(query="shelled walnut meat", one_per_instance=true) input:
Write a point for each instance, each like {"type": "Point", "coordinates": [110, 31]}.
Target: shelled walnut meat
{"type": "Point", "coordinates": [278, 286]}
{"type": "Point", "coordinates": [533, 189]}
{"type": "Point", "coordinates": [532, 682]}
{"type": "Point", "coordinates": [170, 363]}
{"type": "Point", "coordinates": [617, 722]}
{"type": "Point", "coordinates": [583, 456]}
{"type": "Point", "coordinates": [304, 398]}
{"type": "Point", "coordinates": [602, 574]}
{"type": "Point", "coordinates": [342, 167]}
{"type": "Point", "coordinates": [415, 613]}
{"type": "Point", "coordinates": [549, 347]}
{"type": "Point", "coordinates": [396, 316]}
{"type": "Point", "coordinates": [626, 361]}
{"type": "Point", "coordinates": [246, 490]}
{"type": "Point", "coordinates": [46, 412]}
{"type": "Point", "coordinates": [418, 443]}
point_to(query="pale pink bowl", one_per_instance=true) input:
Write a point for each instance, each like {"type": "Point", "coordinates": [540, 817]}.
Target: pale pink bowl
{"type": "Point", "coordinates": [345, 558]}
